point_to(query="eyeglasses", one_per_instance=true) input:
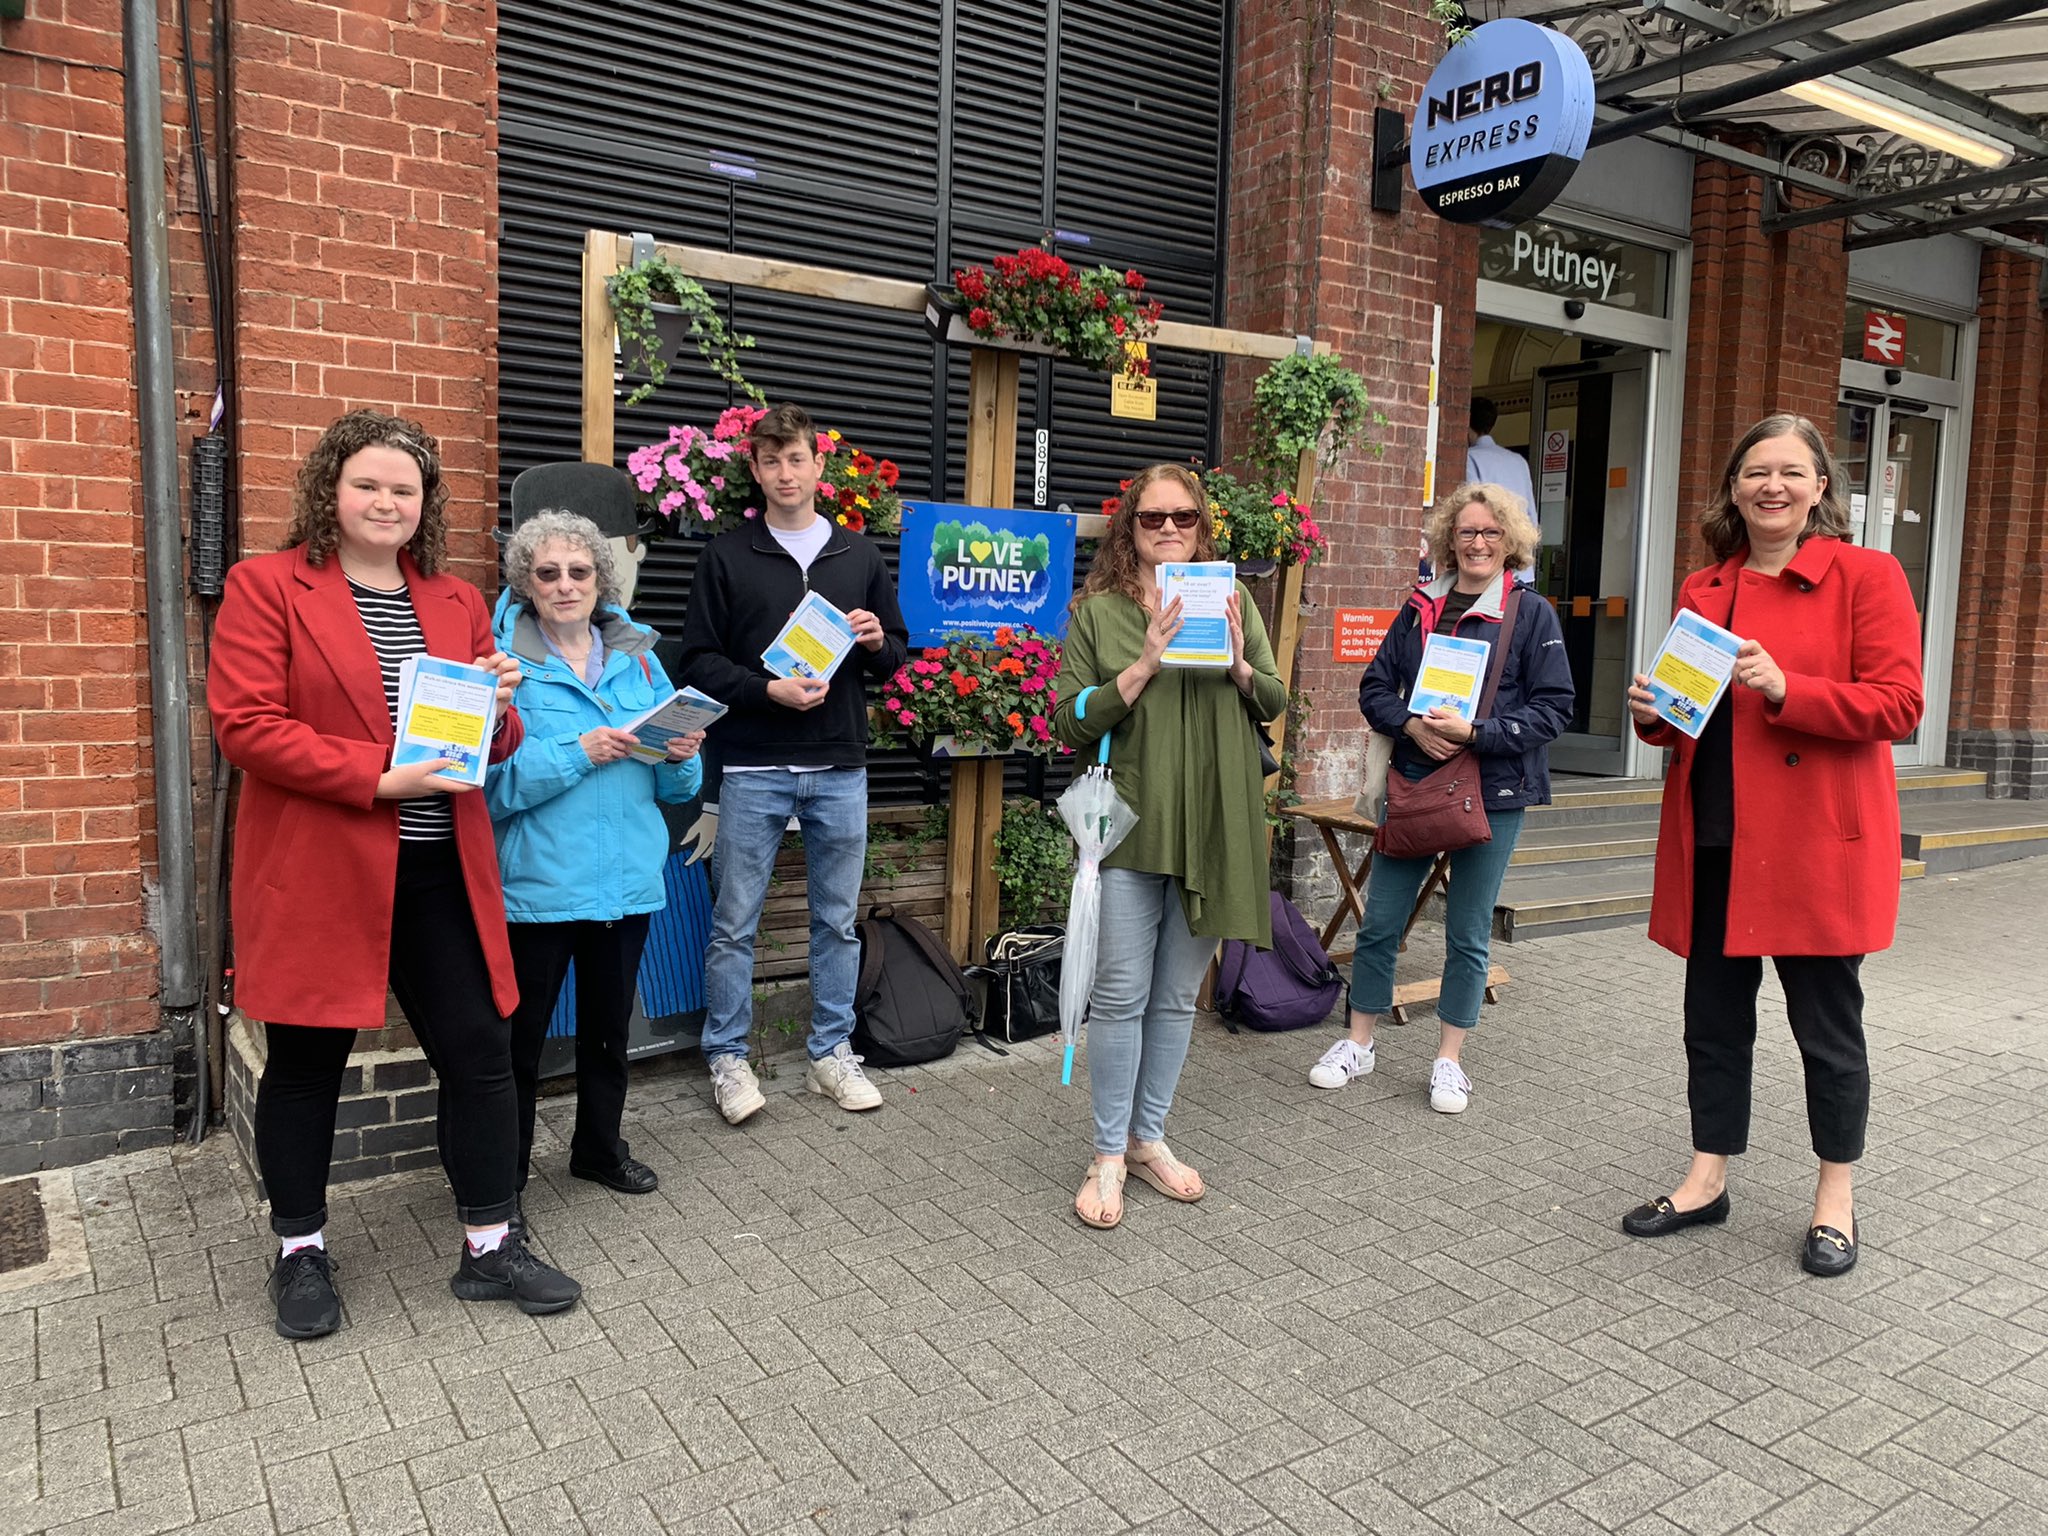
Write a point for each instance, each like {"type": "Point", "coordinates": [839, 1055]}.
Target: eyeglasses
{"type": "Point", "coordinates": [552, 573]}
{"type": "Point", "coordinates": [1183, 519]}
{"type": "Point", "coordinates": [1481, 535]}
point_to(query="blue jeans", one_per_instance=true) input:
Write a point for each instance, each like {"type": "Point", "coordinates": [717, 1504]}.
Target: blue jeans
{"type": "Point", "coordinates": [1148, 969]}
{"type": "Point", "coordinates": [1468, 923]}
{"type": "Point", "coordinates": [831, 807]}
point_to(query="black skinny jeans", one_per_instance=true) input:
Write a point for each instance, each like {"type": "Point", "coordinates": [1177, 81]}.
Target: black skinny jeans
{"type": "Point", "coordinates": [607, 957]}
{"type": "Point", "coordinates": [443, 985]}
{"type": "Point", "coordinates": [1824, 1000]}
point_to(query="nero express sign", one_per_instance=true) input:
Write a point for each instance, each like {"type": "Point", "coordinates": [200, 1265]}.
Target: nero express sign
{"type": "Point", "coordinates": [1503, 123]}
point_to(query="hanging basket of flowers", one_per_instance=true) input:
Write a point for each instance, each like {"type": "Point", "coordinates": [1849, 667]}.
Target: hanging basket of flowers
{"type": "Point", "coordinates": [697, 482]}
{"type": "Point", "coordinates": [974, 696]}
{"type": "Point", "coordinates": [1259, 528]}
{"type": "Point", "coordinates": [1034, 301]}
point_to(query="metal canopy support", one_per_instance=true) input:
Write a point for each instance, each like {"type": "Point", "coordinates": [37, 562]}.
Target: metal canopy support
{"type": "Point", "coordinates": [1830, 61]}
{"type": "Point", "coordinates": [2012, 212]}
{"type": "Point", "coordinates": [1906, 85]}
{"type": "Point", "coordinates": [1981, 181]}
{"type": "Point", "coordinates": [1735, 43]}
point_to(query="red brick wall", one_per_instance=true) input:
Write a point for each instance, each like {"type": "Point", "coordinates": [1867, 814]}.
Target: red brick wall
{"type": "Point", "coordinates": [1307, 253]}
{"type": "Point", "coordinates": [366, 242]}
{"type": "Point", "coordinates": [2001, 649]}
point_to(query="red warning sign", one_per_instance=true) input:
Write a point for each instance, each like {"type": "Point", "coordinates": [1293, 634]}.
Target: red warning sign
{"type": "Point", "coordinates": [1360, 631]}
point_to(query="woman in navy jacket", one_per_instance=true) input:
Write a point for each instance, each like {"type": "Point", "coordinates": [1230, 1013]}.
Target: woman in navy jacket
{"type": "Point", "coordinates": [1479, 536]}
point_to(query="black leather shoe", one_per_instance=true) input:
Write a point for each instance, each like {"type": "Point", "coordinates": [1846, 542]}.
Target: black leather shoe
{"type": "Point", "coordinates": [1660, 1216]}
{"type": "Point", "coordinates": [1827, 1252]}
{"type": "Point", "coordinates": [631, 1177]}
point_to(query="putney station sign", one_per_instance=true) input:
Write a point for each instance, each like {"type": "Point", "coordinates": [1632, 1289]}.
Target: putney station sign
{"type": "Point", "coordinates": [1503, 123]}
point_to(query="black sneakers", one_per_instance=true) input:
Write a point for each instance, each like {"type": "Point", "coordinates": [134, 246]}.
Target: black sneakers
{"type": "Point", "coordinates": [510, 1272]}
{"type": "Point", "coordinates": [302, 1287]}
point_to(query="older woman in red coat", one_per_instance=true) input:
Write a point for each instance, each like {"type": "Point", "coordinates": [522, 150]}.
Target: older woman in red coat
{"type": "Point", "coordinates": [352, 875]}
{"type": "Point", "coordinates": [1780, 832]}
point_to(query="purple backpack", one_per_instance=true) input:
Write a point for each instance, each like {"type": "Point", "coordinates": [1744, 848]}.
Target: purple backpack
{"type": "Point", "coordinates": [1290, 986]}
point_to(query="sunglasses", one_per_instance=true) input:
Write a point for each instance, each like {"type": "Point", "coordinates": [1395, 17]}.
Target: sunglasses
{"type": "Point", "coordinates": [548, 574]}
{"type": "Point", "coordinates": [1154, 521]}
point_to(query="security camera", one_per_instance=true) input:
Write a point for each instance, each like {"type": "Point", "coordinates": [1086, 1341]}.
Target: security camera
{"type": "Point", "coordinates": [1894, 376]}
{"type": "Point", "coordinates": [1575, 309]}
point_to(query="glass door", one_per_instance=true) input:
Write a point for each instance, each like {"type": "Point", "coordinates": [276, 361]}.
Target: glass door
{"type": "Point", "coordinates": [1891, 451]}
{"type": "Point", "coordinates": [1589, 452]}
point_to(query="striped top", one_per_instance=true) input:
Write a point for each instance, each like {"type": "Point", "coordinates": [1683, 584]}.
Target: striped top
{"type": "Point", "coordinates": [394, 631]}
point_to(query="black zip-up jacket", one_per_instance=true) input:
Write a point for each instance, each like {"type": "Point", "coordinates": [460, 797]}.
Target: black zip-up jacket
{"type": "Point", "coordinates": [746, 587]}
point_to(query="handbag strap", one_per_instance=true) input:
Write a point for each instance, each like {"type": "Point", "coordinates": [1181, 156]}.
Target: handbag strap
{"type": "Point", "coordinates": [1499, 660]}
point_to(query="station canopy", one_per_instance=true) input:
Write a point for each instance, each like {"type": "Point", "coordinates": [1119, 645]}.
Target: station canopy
{"type": "Point", "coordinates": [1897, 119]}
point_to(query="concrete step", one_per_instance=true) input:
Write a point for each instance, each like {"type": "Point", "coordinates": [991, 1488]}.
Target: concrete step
{"type": "Point", "coordinates": [1579, 842]}
{"type": "Point", "coordinates": [1948, 836]}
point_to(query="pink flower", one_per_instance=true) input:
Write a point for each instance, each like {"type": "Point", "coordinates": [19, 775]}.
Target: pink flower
{"type": "Point", "coordinates": [753, 512]}
{"type": "Point", "coordinates": [671, 503]}
{"type": "Point", "coordinates": [824, 446]}
{"type": "Point", "coordinates": [677, 465]}
{"type": "Point", "coordinates": [718, 482]}
{"type": "Point", "coordinates": [906, 716]}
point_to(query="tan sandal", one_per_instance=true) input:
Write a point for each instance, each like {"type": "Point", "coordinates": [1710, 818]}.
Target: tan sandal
{"type": "Point", "coordinates": [1106, 1180]}
{"type": "Point", "coordinates": [1155, 1163]}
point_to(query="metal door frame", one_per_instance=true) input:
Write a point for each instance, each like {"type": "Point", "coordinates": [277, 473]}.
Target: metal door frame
{"type": "Point", "coordinates": [1574, 751]}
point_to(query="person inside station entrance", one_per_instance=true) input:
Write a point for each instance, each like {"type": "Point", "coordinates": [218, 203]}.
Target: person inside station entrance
{"type": "Point", "coordinates": [791, 747]}
{"type": "Point", "coordinates": [1487, 463]}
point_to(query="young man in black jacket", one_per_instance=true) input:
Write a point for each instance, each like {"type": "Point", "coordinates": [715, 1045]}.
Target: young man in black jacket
{"type": "Point", "coordinates": [791, 747]}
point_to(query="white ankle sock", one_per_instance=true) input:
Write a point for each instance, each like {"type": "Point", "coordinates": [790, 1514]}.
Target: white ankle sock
{"type": "Point", "coordinates": [291, 1245]}
{"type": "Point", "coordinates": [488, 1240]}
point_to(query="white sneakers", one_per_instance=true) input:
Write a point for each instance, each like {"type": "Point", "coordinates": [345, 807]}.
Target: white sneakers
{"type": "Point", "coordinates": [839, 1078]}
{"type": "Point", "coordinates": [734, 1086]}
{"type": "Point", "coordinates": [1341, 1063]}
{"type": "Point", "coordinates": [1450, 1090]}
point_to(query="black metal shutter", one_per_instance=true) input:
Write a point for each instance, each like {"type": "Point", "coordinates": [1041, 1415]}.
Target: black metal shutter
{"type": "Point", "coordinates": [899, 137]}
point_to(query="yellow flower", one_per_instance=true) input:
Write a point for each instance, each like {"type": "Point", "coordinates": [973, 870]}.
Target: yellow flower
{"type": "Point", "coordinates": [862, 501]}
{"type": "Point", "coordinates": [833, 435]}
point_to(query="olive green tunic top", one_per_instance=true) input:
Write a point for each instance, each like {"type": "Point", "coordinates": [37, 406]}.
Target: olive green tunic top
{"type": "Point", "coordinates": [1185, 758]}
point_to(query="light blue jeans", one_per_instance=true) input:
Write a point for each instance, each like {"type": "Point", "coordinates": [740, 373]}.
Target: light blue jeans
{"type": "Point", "coordinates": [1148, 969]}
{"type": "Point", "coordinates": [831, 808]}
{"type": "Point", "coordinates": [1390, 894]}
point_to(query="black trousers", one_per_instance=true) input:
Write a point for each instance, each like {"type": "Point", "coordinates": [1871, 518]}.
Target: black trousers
{"type": "Point", "coordinates": [443, 985]}
{"type": "Point", "coordinates": [1824, 1000]}
{"type": "Point", "coordinates": [607, 957]}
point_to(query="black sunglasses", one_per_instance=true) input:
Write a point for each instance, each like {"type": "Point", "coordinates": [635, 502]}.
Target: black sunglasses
{"type": "Point", "coordinates": [1154, 521]}
{"type": "Point", "coordinates": [551, 573]}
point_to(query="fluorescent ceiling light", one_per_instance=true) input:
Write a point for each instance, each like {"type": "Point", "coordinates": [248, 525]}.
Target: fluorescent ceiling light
{"type": "Point", "coordinates": [1880, 111]}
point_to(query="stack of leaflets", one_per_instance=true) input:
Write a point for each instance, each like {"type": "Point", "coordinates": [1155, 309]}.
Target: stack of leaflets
{"type": "Point", "coordinates": [446, 709]}
{"type": "Point", "coordinates": [679, 714]}
{"type": "Point", "coordinates": [1691, 671]}
{"type": "Point", "coordinates": [1453, 676]}
{"type": "Point", "coordinates": [813, 642]}
{"type": "Point", "coordinates": [1204, 589]}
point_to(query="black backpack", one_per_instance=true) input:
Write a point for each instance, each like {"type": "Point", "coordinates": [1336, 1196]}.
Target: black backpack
{"type": "Point", "coordinates": [911, 1001]}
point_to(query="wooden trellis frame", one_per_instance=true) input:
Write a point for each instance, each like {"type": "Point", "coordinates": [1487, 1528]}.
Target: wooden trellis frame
{"type": "Point", "coordinates": [977, 791]}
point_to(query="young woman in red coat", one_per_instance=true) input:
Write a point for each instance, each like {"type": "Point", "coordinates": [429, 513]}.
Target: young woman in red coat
{"type": "Point", "coordinates": [1780, 832]}
{"type": "Point", "coordinates": [352, 875]}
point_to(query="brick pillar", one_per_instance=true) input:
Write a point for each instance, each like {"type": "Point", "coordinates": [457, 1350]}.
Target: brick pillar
{"type": "Point", "coordinates": [1764, 332]}
{"type": "Point", "coordinates": [1307, 253]}
{"type": "Point", "coordinates": [1997, 722]}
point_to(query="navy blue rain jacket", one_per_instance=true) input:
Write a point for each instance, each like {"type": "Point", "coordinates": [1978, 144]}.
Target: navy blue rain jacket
{"type": "Point", "coordinates": [1531, 710]}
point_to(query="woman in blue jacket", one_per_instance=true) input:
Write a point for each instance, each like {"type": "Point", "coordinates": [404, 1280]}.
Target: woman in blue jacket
{"type": "Point", "coordinates": [1478, 538]}
{"type": "Point", "coordinates": [581, 840]}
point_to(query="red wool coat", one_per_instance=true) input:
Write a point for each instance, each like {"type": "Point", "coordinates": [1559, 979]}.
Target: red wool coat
{"type": "Point", "coordinates": [298, 705]}
{"type": "Point", "coordinates": [1815, 864]}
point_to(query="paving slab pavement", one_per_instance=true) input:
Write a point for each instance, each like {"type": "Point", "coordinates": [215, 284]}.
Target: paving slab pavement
{"type": "Point", "coordinates": [1380, 1319]}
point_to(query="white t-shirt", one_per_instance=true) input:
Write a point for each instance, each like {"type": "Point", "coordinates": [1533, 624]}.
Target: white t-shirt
{"type": "Point", "coordinates": [1487, 461]}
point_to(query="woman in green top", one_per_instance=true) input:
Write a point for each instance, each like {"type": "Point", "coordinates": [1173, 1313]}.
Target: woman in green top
{"type": "Point", "coordinates": [1186, 758]}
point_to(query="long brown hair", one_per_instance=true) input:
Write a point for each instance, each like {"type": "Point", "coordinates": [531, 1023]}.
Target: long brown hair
{"type": "Point", "coordinates": [316, 522]}
{"type": "Point", "coordinates": [1721, 523]}
{"type": "Point", "coordinates": [1116, 560]}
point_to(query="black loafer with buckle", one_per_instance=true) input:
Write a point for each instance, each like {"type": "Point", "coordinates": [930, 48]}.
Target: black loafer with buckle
{"type": "Point", "coordinates": [1660, 1216]}
{"type": "Point", "coordinates": [1827, 1252]}
{"type": "Point", "coordinates": [631, 1177]}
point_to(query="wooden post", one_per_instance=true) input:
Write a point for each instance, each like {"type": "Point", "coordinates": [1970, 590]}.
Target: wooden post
{"type": "Point", "coordinates": [600, 261]}
{"type": "Point", "coordinates": [973, 898]}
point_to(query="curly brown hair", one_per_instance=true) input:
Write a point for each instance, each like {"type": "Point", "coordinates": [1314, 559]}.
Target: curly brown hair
{"type": "Point", "coordinates": [315, 521]}
{"type": "Point", "coordinates": [1116, 561]}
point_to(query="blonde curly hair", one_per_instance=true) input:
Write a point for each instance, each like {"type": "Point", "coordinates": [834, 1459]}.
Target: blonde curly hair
{"type": "Point", "coordinates": [1508, 509]}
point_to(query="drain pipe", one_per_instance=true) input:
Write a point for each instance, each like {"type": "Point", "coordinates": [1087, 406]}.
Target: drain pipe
{"type": "Point", "coordinates": [170, 697]}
